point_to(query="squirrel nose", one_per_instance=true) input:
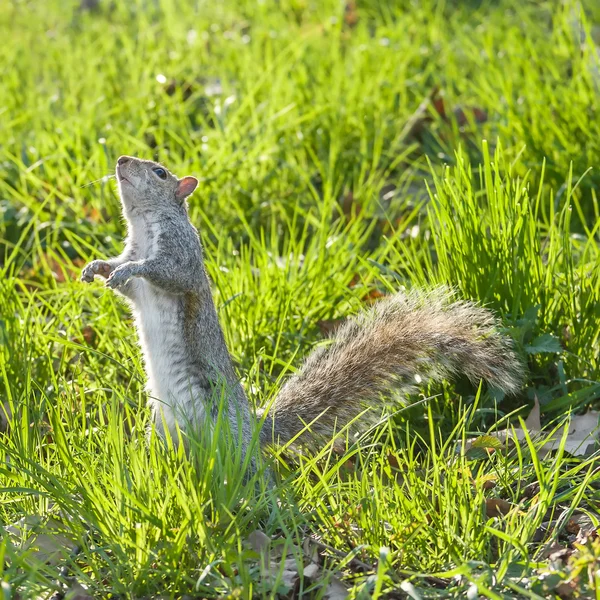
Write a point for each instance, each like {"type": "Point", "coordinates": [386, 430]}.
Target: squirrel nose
{"type": "Point", "coordinates": [123, 160]}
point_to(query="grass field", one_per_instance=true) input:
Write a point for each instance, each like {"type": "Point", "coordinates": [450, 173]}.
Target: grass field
{"type": "Point", "coordinates": [344, 151]}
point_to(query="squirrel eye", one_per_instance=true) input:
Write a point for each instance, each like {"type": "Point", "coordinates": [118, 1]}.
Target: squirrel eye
{"type": "Point", "coordinates": [161, 173]}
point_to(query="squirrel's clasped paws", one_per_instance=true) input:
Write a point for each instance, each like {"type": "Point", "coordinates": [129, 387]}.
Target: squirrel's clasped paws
{"type": "Point", "coordinates": [96, 267]}
{"type": "Point", "coordinates": [120, 276]}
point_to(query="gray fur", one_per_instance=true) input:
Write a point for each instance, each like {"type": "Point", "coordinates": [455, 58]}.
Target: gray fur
{"type": "Point", "coordinates": [161, 272]}
{"type": "Point", "coordinates": [389, 349]}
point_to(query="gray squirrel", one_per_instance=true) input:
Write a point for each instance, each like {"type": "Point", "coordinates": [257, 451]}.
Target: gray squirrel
{"type": "Point", "coordinates": [401, 341]}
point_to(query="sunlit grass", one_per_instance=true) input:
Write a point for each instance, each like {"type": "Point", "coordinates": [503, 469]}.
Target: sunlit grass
{"type": "Point", "coordinates": [316, 197]}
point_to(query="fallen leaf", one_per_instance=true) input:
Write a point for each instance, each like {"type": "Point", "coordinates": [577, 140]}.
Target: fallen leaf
{"type": "Point", "coordinates": [93, 214]}
{"type": "Point", "coordinates": [554, 548]}
{"type": "Point", "coordinates": [373, 295]}
{"type": "Point", "coordinates": [581, 435]}
{"type": "Point", "coordinates": [533, 421]}
{"type": "Point", "coordinates": [259, 541]}
{"type": "Point", "coordinates": [351, 14]}
{"type": "Point", "coordinates": [461, 115]}
{"type": "Point", "coordinates": [311, 550]}
{"type": "Point", "coordinates": [46, 540]}
{"type": "Point", "coordinates": [290, 573]}
{"type": "Point", "coordinates": [336, 590]}
{"type": "Point", "coordinates": [530, 490]}
{"type": "Point", "coordinates": [559, 557]}
{"type": "Point", "coordinates": [496, 507]}
{"type": "Point", "coordinates": [311, 571]}
{"type": "Point", "coordinates": [77, 591]}
{"type": "Point", "coordinates": [584, 526]}
{"type": "Point", "coordinates": [489, 483]}
{"type": "Point", "coordinates": [567, 589]}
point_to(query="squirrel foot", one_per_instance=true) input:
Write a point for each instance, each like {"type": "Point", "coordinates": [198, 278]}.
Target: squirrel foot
{"type": "Point", "coordinates": [96, 267]}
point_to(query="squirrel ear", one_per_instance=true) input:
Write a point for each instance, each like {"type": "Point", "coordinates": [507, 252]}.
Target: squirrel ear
{"type": "Point", "coordinates": [185, 187]}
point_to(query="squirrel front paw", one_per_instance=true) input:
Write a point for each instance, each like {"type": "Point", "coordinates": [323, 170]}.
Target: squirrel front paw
{"type": "Point", "coordinates": [96, 267]}
{"type": "Point", "coordinates": [121, 275]}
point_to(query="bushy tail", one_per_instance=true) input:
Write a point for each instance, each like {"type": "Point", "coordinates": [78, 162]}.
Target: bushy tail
{"type": "Point", "coordinates": [400, 342]}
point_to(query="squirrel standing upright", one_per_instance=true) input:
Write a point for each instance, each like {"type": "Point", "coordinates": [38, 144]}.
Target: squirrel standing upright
{"type": "Point", "coordinates": [399, 342]}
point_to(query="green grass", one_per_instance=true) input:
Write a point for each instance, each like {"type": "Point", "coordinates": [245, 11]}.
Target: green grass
{"type": "Point", "coordinates": [315, 198]}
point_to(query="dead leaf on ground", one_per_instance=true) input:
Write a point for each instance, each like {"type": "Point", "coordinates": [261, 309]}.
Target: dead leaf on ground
{"type": "Point", "coordinates": [88, 336]}
{"type": "Point", "coordinates": [351, 14]}
{"type": "Point", "coordinates": [336, 590]}
{"type": "Point", "coordinates": [46, 540]}
{"type": "Point", "coordinates": [284, 566]}
{"type": "Point", "coordinates": [77, 591]}
{"type": "Point", "coordinates": [583, 526]}
{"type": "Point", "coordinates": [567, 589]}
{"type": "Point", "coordinates": [496, 507]}
{"type": "Point", "coordinates": [551, 549]}
{"type": "Point", "coordinates": [434, 103]}
{"type": "Point", "coordinates": [259, 542]}
{"type": "Point", "coordinates": [488, 482]}
{"type": "Point", "coordinates": [582, 434]}
{"type": "Point", "coordinates": [462, 115]}
{"type": "Point", "coordinates": [531, 490]}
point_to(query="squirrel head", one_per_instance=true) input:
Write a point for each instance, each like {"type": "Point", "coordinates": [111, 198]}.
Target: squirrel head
{"type": "Point", "coordinates": [148, 187]}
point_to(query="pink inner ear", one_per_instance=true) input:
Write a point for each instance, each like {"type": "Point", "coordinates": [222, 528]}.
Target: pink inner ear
{"type": "Point", "coordinates": [185, 187]}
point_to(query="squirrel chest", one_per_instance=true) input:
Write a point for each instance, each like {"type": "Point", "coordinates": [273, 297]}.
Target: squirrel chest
{"type": "Point", "coordinates": [159, 319]}
{"type": "Point", "coordinates": [160, 322]}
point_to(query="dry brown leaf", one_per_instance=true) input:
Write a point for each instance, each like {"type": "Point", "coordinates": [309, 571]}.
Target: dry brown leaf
{"type": "Point", "coordinates": [351, 14]}
{"type": "Point", "coordinates": [558, 558]}
{"type": "Point", "coordinates": [531, 490]}
{"type": "Point", "coordinates": [554, 548]}
{"type": "Point", "coordinates": [88, 336]}
{"type": "Point", "coordinates": [496, 507]}
{"type": "Point", "coordinates": [567, 589]}
{"type": "Point", "coordinates": [583, 526]}
{"type": "Point", "coordinates": [373, 295]}
{"type": "Point", "coordinates": [460, 114]}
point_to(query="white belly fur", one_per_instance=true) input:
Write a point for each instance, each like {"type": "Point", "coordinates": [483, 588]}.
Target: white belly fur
{"type": "Point", "coordinates": [156, 321]}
